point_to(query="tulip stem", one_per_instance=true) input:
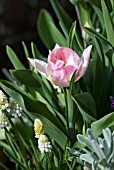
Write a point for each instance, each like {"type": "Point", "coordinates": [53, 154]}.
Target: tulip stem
{"type": "Point", "coordinates": [66, 103]}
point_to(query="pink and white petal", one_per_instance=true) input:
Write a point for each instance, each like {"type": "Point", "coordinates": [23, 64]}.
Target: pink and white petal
{"type": "Point", "coordinates": [69, 55]}
{"type": "Point", "coordinates": [57, 81]}
{"type": "Point", "coordinates": [85, 57]}
{"type": "Point", "coordinates": [49, 69]}
{"type": "Point", "coordinates": [39, 65]}
{"type": "Point", "coordinates": [73, 61]}
{"type": "Point", "coordinates": [56, 47]}
{"type": "Point", "coordinates": [59, 78]}
{"type": "Point", "coordinates": [69, 70]}
{"type": "Point", "coordinates": [59, 65]}
{"type": "Point", "coordinates": [63, 53]}
{"type": "Point", "coordinates": [51, 55]}
{"type": "Point", "coordinates": [59, 73]}
{"type": "Point", "coordinates": [79, 72]}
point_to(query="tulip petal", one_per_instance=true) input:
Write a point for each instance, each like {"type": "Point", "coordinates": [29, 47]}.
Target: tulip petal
{"type": "Point", "coordinates": [69, 70]}
{"type": "Point", "coordinates": [57, 81]}
{"type": "Point", "coordinates": [52, 54]}
{"type": "Point", "coordinates": [58, 78]}
{"type": "Point", "coordinates": [85, 58]}
{"type": "Point", "coordinates": [39, 65]}
{"type": "Point", "coordinates": [64, 54]}
{"type": "Point", "coordinates": [79, 72]}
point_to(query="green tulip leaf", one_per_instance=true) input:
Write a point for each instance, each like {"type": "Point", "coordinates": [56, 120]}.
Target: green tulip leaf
{"type": "Point", "coordinates": [48, 32]}
{"type": "Point", "coordinates": [108, 23]}
{"type": "Point", "coordinates": [29, 104]}
{"type": "Point", "coordinates": [14, 59]}
{"type": "Point", "coordinates": [104, 122]}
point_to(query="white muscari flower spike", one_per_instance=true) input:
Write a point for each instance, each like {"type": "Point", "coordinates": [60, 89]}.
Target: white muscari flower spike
{"type": "Point", "coordinates": [3, 101]}
{"type": "Point", "coordinates": [14, 109]}
{"type": "Point", "coordinates": [3, 120]}
{"type": "Point", "coordinates": [43, 144]}
{"type": "Point", "coordinates": [38, 127]}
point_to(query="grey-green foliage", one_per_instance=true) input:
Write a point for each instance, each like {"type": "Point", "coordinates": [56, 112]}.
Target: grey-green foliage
{"type": "Point", "coordinates": [98, 152]}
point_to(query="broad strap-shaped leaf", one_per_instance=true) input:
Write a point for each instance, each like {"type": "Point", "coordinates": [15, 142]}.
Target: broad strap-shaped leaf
{"type": "Point", "coordinates": [59, 39]}
{"type": "Point", "coordinates": [112, 3]}
{"type": "Point", "coordinates": [14, 59]}
{"type": "Point", "coordinates": [27, 77]}
{"type": "Point", "coordinates": [106, 121]}
{"type": "Point", "coordinates": [83, 14]}
{"type": "Point", "coordinates": [72, 89]}
{"type": "Point", "coordinates": [26, 54]}
{"type": "Point", "coordinates": [5, 146]}
{"type": "Point", "coordinates": [110, 55]}
{"type": "Point", "coordinates": [35, 52]}
{"type": "Point", "coordinates": [63, 29]}
{"type": "Point", "coordinates": [36, 109]}
{"type": "Point", "coordinates": [62, 15]}
{"type": "Point", "coordinates": [84, 109]}
{"type": "Point", "coordinates": [74, 2]}
{"type": "Point", "coordinates": [43, 28]}
{"type": "Point", "coordinates": [71, 35]}
{"type": "Point", "coordinates": [48, 32]}
{"type": "Point", "coordinates": [50, 94]}
{"type": "Point", "coordinates": [25, 50]}
{"type": "Point", "coordinates": [39, 88]}
{"type": "Point", "coordinates": [99, 14]}
{"type": "Point", "coordinates": [93, 33]}
{"type": "Point", "coordinates": [103, 80]}
{"type": "Point", "coordinates": [2, 134]}
{"type": "Point", "coordinates": [71, 120]}
{"type": "Point", "coordinates": [90, 75]}
{"type": "Point", "coordinates": [108, 23]}
{"type": "Point", "coordinates": [13, 157]}
{"type": "Point", "coordinates": [3, 166]}
{"type": "Point", "coordinates": [87, 103]}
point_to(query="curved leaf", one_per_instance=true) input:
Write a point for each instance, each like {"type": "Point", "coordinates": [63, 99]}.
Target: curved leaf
{"type": "Point", "coordinates": [108, 23]}
{"type": "Point", "coordinates": [35, 109]}
{"type": "Point", "coordinates": [27, 77]}
{"type": "Point", "coordinates": [62, 15]}
{"type": "Point", "coordinates": [87, 103]}
{"type": "Point", "coordinates": [14, 59]}
{"type": "Point", "coordinates": [48, 32]}
{"type": "Point", "coordinates": [106, 121]}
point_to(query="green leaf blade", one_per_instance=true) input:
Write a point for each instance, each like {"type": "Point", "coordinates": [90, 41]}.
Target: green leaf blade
{"type": "Point", "coordinates": [108, 23]}
{"type": "Point", "coordinates": [14, 59]}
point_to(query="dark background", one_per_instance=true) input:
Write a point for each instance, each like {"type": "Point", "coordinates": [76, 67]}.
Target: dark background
{"type": "Point", "coordinates": [18, 20]}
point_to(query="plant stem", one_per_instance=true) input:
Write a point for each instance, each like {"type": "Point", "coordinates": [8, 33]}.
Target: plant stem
{"type": "Point", "coordinates": [66, 103]}
{"type": "Point", "coordinates": [17, 133]}
{"type": "Point", "coordinates": [36, 155]}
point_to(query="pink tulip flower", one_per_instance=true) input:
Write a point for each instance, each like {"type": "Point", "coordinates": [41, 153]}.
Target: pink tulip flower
{"type": "Point", "coordinates": [62, 63]}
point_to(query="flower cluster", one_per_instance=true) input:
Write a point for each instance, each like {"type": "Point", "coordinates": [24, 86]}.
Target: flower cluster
{"type": "Point", "coordinates": [3, 108]}
{"type": "Point", "coordinates": [14, 109]}
{"type": "Point", "coordinates": [43, 142]}
{"type": "Point", "coordinates": [9, 107]}
{"type": "Point", "coordinates": [3, 120]}
{"type": "Point", "coordinates": [3, 101]}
